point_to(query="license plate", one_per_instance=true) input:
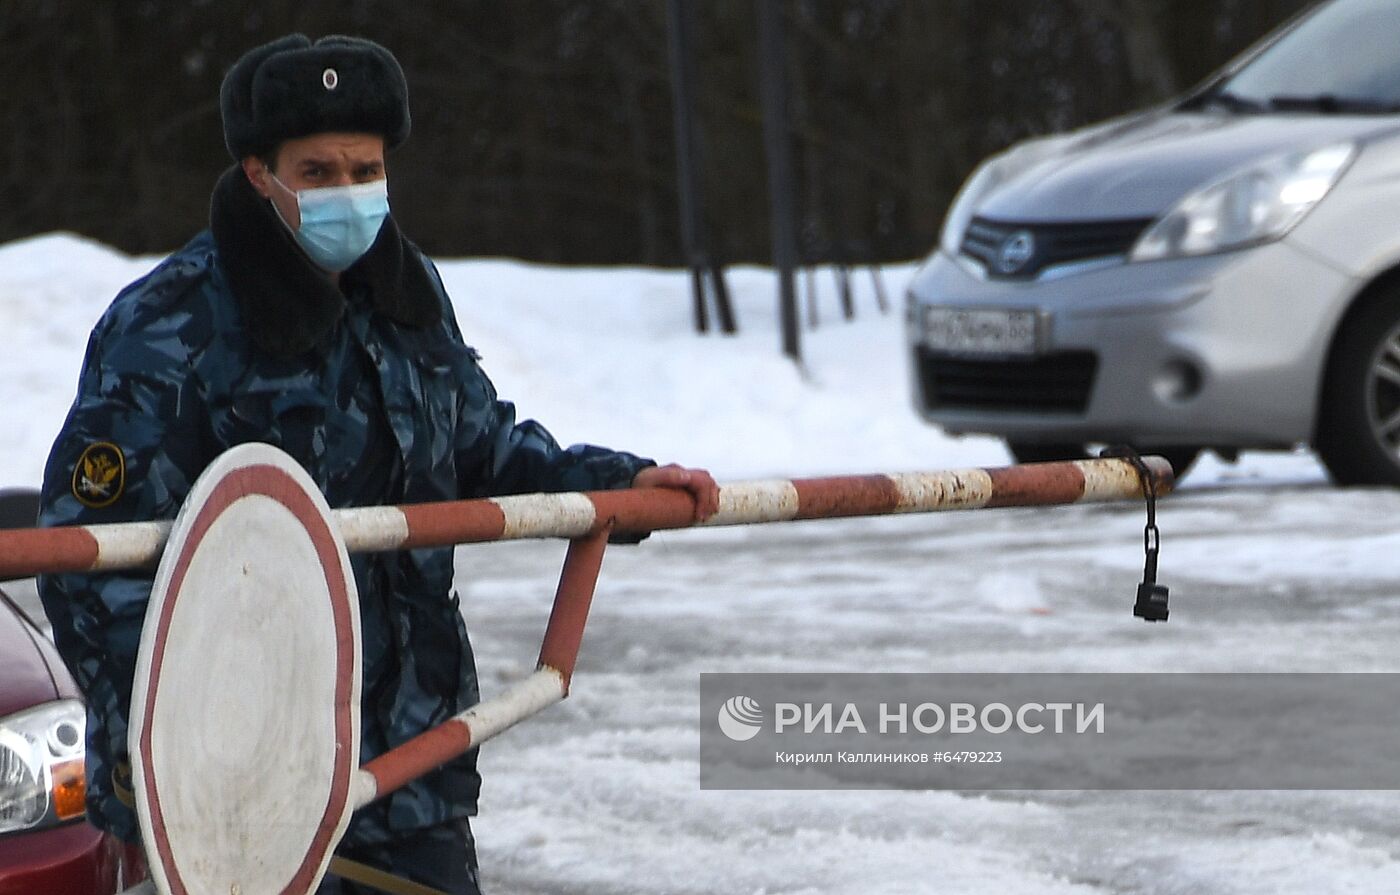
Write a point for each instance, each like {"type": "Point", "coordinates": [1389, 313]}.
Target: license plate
{"type": "Point", "coordinates": [958, 331]}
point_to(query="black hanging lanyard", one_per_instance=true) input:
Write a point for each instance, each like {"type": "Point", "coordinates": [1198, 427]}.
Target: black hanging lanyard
{"type": "Point", "coordinates": [1151, 603]}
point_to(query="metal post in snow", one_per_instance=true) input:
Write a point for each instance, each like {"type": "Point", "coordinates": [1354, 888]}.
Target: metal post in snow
{"type": "Point", "coordinates": [783, 226]}
{"type": "Point", "coordinates": [680, 31]}
{"type": "Point", "coordinates": [706, 274]}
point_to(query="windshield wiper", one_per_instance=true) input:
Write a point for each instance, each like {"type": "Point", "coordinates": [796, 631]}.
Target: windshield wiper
{"type": "Point", "coordinates": [1230, 101]}
{"type": "Point", "coordinates": [1331, 104]}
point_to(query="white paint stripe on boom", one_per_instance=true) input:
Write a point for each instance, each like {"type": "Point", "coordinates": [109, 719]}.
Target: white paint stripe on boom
{"type": "Point", "coordinates": [128, 544]}
{"type": "Point", "coordinates": [1108, 479]}
{"type": "Point", "coordinates": [485, 720]}
{"type": "Point", "coordinates": [956, 489]}
{"type": "Point", "coordinates": [372, 528]}
{"type": "Point", "coordinates": [742, 503]}
{"type": "Point", "coordinates": [546, 515]}
{"type": "Point", "coordinates": [519, 701]}
{"type": "Point", "coordinates": [363, 788]}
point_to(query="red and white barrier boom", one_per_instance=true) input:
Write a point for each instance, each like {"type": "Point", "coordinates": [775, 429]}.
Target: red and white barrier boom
{"type": "Point", "coordinates": [245, 706]}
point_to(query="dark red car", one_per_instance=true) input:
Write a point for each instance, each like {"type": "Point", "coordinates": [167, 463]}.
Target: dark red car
{"type": "Point", "coordinates": [46, 845]}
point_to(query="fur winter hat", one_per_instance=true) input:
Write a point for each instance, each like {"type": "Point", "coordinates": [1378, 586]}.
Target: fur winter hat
{"type": "Point", "coordinates": [291, 88]}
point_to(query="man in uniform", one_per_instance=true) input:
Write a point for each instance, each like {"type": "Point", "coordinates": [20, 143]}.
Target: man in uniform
{"type": "Point", "coordinates": [305, 319]}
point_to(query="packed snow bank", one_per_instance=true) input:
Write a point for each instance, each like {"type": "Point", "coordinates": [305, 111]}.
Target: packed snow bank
{"type": "Point", "coordinates": [605, 355]}
{"type": "Point", "coordinates": [601, 355]}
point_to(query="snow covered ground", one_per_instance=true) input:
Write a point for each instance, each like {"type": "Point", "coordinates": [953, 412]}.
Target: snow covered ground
{"type": "Point", "coordinates": [1271, 569]}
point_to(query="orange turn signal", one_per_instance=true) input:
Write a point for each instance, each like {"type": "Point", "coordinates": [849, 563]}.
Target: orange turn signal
{"type": "Point", "coordinates": [69, 790]}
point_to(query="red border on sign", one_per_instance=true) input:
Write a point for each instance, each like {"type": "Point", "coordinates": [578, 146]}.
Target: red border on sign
{"type": "Point", "coordinates": [276, 484]}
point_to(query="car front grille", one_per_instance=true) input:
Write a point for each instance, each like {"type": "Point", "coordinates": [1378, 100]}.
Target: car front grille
{"type": "Point", "coordinates": [1054, 383]}
{"type": "Point", "coordinates": [1039, 245]}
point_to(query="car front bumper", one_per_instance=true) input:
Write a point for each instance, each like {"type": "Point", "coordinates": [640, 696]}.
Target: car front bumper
{"type": "Point", "coordinates": [75, 859]}
{"type": "Point", "coordinates": [1253, 326]}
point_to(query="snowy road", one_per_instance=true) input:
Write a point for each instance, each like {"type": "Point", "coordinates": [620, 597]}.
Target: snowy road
{"type": "Point", "coordinates": [601, 794]}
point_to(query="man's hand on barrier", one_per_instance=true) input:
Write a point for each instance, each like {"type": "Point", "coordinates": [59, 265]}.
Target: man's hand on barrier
{"type": "Point", "coordinates": [698, 482]}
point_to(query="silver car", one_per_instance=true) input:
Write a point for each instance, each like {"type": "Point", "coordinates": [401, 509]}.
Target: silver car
{"type": "Point", "coordinates": [1220, 272]}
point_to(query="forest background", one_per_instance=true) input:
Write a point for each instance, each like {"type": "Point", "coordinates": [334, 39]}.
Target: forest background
{"type": "Point", "coordinates": [544, 129]}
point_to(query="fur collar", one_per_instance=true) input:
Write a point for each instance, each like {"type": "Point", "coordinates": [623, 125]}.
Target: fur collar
{"type": "Point", "coordinates": [289, 305]}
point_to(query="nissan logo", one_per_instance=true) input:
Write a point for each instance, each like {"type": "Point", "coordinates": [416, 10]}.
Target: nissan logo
{"type": "Point", "coordinates": [1016, 252]}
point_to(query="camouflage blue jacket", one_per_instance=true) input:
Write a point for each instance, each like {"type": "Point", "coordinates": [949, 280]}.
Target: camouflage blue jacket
{"type": "Point", "coordinates": [236, 338]}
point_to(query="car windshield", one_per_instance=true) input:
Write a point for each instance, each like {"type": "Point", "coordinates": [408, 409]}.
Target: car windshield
{"type": "Point", "coordinates": [1340, 59]}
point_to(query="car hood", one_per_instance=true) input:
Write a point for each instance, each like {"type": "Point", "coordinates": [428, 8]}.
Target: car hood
{"type": "Point", "coordinates": [28, 665]}
{"type": "Point", "coordinates": [1142, 168]}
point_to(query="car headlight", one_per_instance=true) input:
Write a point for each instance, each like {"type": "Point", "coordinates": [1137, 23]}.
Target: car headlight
{"type": "Point", "coordinates": [42, 752]}
{"type": "Point", "coordinates": [1258, 204]}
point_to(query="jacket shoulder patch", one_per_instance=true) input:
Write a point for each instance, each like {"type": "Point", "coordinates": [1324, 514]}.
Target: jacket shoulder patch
{"type": "Point", "coordinates": [99, 476]}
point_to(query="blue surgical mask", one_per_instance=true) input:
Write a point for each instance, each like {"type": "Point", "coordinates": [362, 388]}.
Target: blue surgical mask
{"type": "Point", "coordinates": [338, 223]}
